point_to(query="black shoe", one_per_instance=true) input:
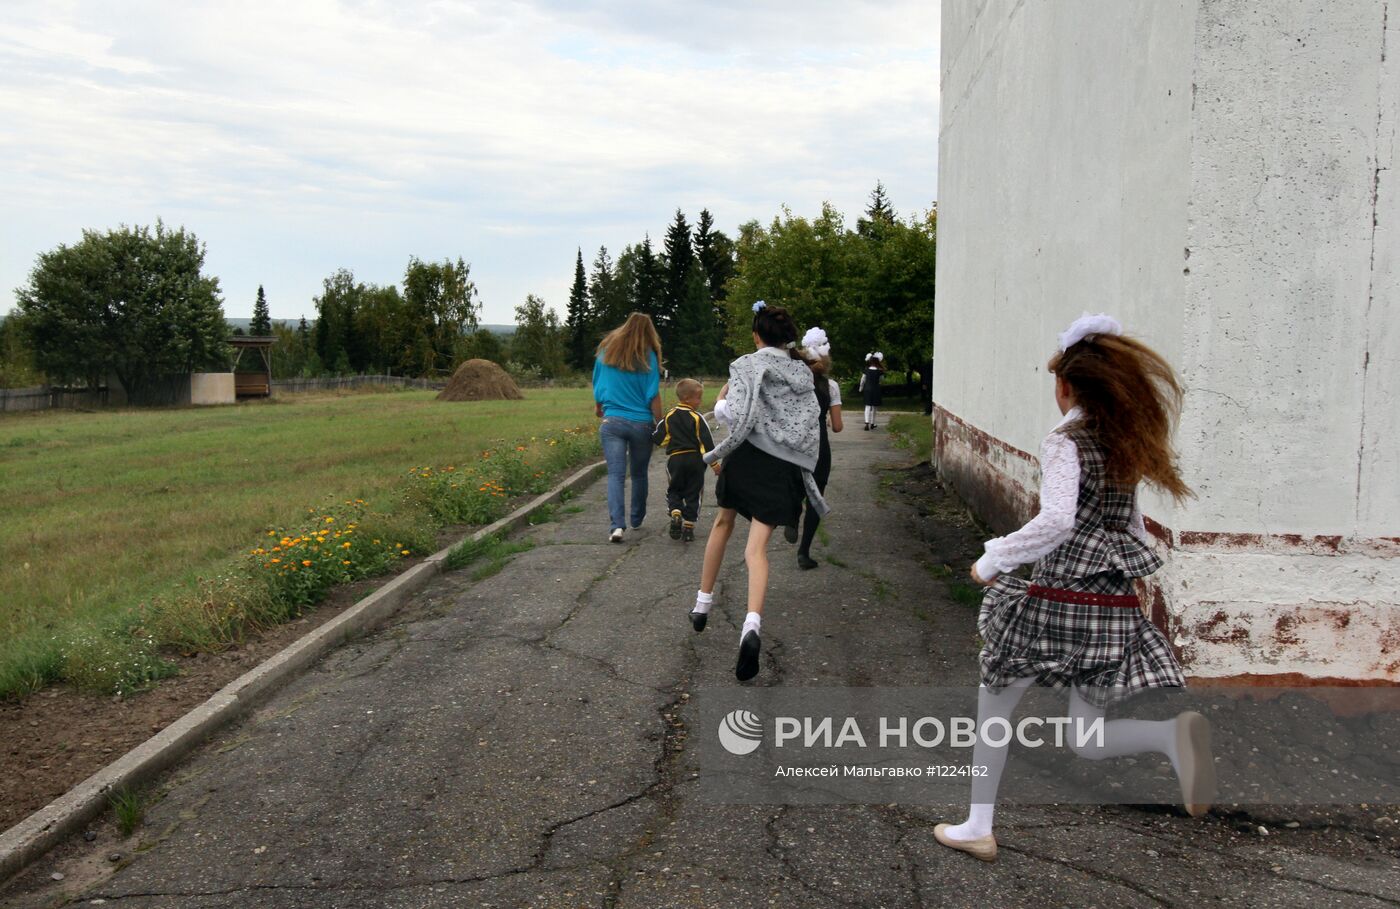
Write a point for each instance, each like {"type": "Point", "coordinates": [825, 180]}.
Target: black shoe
{"type": "Point", "coordinates": [676, 524]}
{"type": "Point", "coordinates": [790, 533]}
{"type": "Point", "coordinates": [688, 533]}
{"type": "Point", "coordinates": [806, 562]}
{"type": "Point", "coordinates": [698, 620]}
{"type": "Point", "coordinates": [747, 667]}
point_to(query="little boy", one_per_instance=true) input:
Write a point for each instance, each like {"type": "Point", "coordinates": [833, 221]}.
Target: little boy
{"type": "Point", "coordinates": [686, 437]}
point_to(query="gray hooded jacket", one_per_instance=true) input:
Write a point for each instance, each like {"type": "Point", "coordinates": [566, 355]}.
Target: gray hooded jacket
{"type": "Point", "coordinates": [773, 406]}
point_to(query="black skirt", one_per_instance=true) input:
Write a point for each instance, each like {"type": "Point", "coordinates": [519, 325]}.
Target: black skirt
{"type": "Point", "coordinates": [870, 394]}
{"type": "Point", "coordinates": [760, 487]}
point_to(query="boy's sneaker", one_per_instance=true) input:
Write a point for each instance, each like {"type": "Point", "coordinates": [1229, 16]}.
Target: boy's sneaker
{"type": "Point", "coordinates": [675, 523]}
{"type": "Point", "coordinates": [616, 535]}
{"type": "Point", "coordinates": [688, 533]}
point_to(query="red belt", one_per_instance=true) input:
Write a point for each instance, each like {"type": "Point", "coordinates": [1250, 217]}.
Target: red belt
{"type": "Point", "coordinates": [1083, 598]}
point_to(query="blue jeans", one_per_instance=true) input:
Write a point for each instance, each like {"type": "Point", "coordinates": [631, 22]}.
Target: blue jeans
{"type": "Point", "coordinates": [626, 443]}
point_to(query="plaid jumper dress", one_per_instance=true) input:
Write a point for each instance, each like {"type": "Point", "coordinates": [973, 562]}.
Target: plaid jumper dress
{"type": "Point", "coordinates": [1106, 652]}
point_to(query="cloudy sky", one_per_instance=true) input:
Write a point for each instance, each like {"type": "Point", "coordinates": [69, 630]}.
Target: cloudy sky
{"type": "Point", "coordinates": [300, 136]}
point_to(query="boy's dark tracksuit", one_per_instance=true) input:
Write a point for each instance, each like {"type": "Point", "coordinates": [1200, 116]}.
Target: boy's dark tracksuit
{"type": "Point", "coordinates": [686, 437]}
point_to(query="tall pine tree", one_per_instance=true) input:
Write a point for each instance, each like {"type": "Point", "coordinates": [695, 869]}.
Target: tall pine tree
{"type": "Point", "coordinates": [715, 253]}
{"type": "Point", "coordinates": [878, 216]}
{"type": "Point", "coordinates": [608, 298]}
{"type": "Point", "coordinates": [647, 288]}
{"type": "Point", "coordinates": [578, 318]}
{"type": "Point", "coordinates": [689, 314]}
{"type": "Point", "coordinates": [261, 326]}
{"type": "Point", "coordinates": [680, 262]}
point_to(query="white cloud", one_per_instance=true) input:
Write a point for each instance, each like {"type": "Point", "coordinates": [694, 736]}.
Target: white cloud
{"type": "Point", "coordinates": [299, 137]}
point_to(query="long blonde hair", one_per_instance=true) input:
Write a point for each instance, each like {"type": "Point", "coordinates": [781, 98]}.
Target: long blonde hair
{"type": "Point", "coordinates": [626, 347]}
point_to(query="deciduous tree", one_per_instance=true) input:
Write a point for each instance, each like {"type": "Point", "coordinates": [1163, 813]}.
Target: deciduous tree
{"type": "Point", "coordinates": [133, 302]}
{"type": "Point", "coordinates": [539, 340]}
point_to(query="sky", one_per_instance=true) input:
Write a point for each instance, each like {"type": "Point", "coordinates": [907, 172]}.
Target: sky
{"type": "Point", "coordinates": [302, 136]}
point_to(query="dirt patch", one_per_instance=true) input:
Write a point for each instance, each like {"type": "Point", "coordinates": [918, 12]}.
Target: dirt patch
{"type": "Point", "coordinates": [940, 519]}
{"type": "Point", "coordinates": [480, 380]}
{"type": "Point", "coordinates": [58, 737]}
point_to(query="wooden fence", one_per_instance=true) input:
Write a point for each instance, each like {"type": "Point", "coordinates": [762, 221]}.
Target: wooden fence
{"type": "Point", "coordinates": [48, 397]}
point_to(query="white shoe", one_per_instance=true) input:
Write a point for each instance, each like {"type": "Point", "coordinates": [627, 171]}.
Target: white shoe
{"type": "Point", "coordinates": [616, 535]}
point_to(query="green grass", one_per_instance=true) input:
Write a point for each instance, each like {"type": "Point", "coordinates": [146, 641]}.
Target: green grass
{"type": "Point", "coordinates": [129, 809]}
{"type": "Point", "coordinates": [138, 524]}
{"type": "Point", "coordinates": [493, 551]}
{"type": "Point", "coordinates": [913, 431]}
{"type": "Point", "coordinates": [965, 593]}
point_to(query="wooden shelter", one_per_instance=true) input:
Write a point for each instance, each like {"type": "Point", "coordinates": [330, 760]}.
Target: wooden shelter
{"type": "Point", "coordinates": [254, 381]}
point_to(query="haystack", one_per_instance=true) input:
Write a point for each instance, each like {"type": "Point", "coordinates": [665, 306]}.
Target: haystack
{"type": "Point", "coordinates": [480, 380]}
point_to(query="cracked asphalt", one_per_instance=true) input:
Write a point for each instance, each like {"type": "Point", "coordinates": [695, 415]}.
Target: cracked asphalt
{"type": "Point", "coordinates": [522, 740]}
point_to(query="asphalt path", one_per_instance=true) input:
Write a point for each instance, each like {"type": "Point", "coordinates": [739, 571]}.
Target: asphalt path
{"type": "Point", "coordinates": [526, 739]}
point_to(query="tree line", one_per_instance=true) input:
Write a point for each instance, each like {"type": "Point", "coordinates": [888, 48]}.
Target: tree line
{"type": "Point", "coordinates": [135, 303]}
{"type": "Point", "coordinates": [871, 287]}
{"type": "Point", "coordinates": [682, 287]}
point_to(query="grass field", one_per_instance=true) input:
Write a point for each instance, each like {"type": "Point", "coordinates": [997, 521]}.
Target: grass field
{"type": "Point", "coordinates": [105, 512]}
{"type": "Point", "coordinates": [913, 431]}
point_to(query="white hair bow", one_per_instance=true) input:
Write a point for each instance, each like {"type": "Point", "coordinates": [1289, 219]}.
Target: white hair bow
{"type": "Point", "coordinates": [816, 343]}
{"type": "Point", "coordinates": [1089, 324]}
{"type": "Point", "coordinates": [879, 356]}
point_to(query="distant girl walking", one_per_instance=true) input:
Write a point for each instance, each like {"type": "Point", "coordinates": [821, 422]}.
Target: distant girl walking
{"type": "Point", "coordinates": [816, 350]}
{"type": "Point", "coordinates": [627, 395]}
{"type": "Point", "coordinates": [870, 386]}
{"type": "Point", "coordinates": [1078, 625]}
{"type": "Point", "coordinates": [766, 464]}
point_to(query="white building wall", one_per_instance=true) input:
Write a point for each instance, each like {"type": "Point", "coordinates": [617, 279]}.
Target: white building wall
{"type": "Point", "coordinates": [1217, 174]}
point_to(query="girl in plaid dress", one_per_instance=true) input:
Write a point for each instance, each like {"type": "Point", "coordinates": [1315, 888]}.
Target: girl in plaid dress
{"type": "Point", "coordinates": [1078, 624]}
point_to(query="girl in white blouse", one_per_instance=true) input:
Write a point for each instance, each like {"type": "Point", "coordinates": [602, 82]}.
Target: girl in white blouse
{"type": "Point", "coordinates": [1078, 623]}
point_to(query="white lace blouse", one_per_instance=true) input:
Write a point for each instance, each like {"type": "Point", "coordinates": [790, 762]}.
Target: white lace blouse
{"type": "Point", "coordinates": [1059, 501]}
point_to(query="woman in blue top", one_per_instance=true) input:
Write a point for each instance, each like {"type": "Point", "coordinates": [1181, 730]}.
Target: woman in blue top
{"type": "Point", "coordinates": [627, 395]}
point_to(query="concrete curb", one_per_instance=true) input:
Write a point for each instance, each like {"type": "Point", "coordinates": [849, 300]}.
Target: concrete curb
{"type": "Point", "coordinates": [45, 828]}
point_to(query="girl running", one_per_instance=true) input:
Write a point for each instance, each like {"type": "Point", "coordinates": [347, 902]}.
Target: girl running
{"type": "Point", "coordinates": [766, 464]}
{"type": "Point", "coordinates": [816, 350]}
{"type": "Point", "coordinates": [1078, 625]}
{"type": "Point", "coordinates": [870, 385]}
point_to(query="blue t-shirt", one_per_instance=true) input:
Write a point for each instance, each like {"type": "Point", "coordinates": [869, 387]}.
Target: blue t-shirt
{"type": "Point", "coordinates": [625, 394]}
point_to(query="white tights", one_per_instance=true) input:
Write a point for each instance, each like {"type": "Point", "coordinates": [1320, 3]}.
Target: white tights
{"type": "Point", "coordinates": [1120, 737]}
{"type": "Point", "coordinates": [869, 414]}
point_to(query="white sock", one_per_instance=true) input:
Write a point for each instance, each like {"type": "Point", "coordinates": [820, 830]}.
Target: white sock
{"type": "Point", "coordinates": [984, 788]}
{"type": "Point", "coordinates": [751, 623]}
{"type": "Point", "coordinates": [703, 601]}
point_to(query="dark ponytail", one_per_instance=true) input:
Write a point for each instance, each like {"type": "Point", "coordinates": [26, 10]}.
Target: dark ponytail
{"type": "Point", "coordinates": [774, 325]}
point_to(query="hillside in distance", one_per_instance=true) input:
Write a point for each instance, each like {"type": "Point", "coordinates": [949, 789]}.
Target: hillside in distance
{"type": "Point", "coordinates": [495, 329]}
